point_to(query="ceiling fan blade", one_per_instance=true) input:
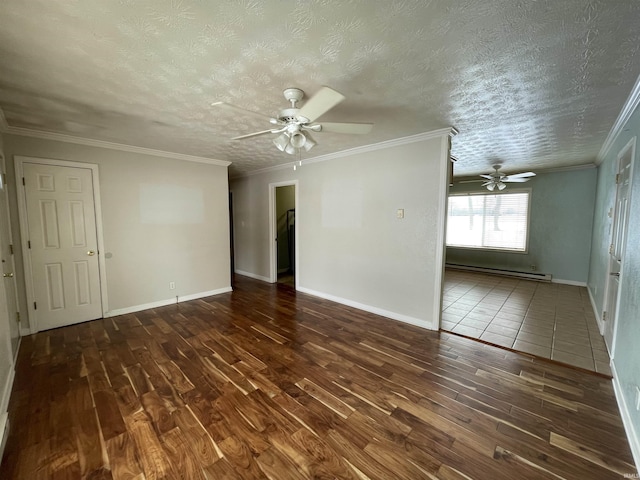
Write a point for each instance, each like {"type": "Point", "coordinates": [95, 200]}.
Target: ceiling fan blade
{"type": "Point", "coordinates": [320, 103]}
{"type": "Point", "coordinates": [487, 183]}
{"type": "Point", "coordinates": [359, 128]}
{"type": "Point", "coordinates": [487, 176]}
{"type": "Point", "coordinates": [249, 135]}
{"type": "Point", "coordinates": [522, 175]}
{"type": "Point", "coordinates": [515, 180]}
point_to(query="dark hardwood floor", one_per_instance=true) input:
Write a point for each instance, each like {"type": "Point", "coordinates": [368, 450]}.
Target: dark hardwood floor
{"type": "Point", "coordinates": [265, 382]}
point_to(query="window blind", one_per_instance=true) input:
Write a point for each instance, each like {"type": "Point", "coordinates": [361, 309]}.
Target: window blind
{"type": "Point", "coordinates": [491, 221]}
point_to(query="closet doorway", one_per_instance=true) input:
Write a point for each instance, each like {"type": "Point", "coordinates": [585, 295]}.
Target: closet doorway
{"type": "Point", "coordinates": [284, 228]}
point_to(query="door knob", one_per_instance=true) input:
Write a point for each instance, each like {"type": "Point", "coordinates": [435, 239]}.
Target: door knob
{"type": "Point", "coordinates": [615, 274]}
{"type": "Point", "coordinates": [91, 253]}
{"type": "Point", "coordinates": [8, 275]}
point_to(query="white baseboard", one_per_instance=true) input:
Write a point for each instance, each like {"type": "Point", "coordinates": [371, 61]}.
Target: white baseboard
{"type": "Point", "coordinates": [568, 282]}
{"type": "Point", "coordinates": [632, 434]}
{"type": "Point", "coordinates": [15, 355]}
{"type": "Point", "coordinates": [4, 407]}
{"type": "Point", "coordinates": [253, 275]}
{"type": "Point", "coordinates": [4, 433]}
{"type": "Point", "coordinates": [164, 303]}
{"type": "Point", "coordinates": [368, 308]}
{"type": "Point", "coordinates": [25, 332]}
{"type": "Point", "coordinates": [595, 312]}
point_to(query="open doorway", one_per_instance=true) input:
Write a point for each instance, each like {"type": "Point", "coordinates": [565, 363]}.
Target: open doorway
{"type": "Point", "coordinates": [283, 215]}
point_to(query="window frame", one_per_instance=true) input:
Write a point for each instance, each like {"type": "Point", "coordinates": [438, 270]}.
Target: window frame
{"type": "Point", "coordinates": [528, 191]}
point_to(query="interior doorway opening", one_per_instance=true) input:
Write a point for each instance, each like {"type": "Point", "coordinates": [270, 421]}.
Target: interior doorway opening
{"type": "Point", "coordinates": [286, 234]}
{"type": "Point", "coordinates": [284, 216]}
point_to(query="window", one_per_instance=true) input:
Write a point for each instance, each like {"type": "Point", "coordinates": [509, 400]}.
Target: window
{"type": "Point", "coordinates": [489, 221]}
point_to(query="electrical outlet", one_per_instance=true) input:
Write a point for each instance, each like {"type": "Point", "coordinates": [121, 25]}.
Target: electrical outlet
{"type": "Point", "coordinates": [172, 285]}
{"type": "Point", "coordinates": [637, 398]}
{"type": "Point", "coordinates": [533, 268]}
{"type": "Point", "coordinates": [400, 213]}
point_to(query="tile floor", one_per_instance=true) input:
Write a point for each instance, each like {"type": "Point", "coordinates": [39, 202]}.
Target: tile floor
{"type": "Point", "coordinates": [545, 319]}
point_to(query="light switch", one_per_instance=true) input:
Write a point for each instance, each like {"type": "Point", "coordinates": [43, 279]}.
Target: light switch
{"type": "Point", "coordinates": [400, 213]}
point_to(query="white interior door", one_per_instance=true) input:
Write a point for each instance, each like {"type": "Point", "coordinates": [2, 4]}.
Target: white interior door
{"type": "Point", "coordinates": [62, 244]}
{"type": "Point", "coordinates": [616, 249]}
{"type": "Point", "coordinates": [8, 263]}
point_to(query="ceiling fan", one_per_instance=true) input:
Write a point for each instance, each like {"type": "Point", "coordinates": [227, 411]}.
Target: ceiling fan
{"type": "Point", "coordinates": [499, 179]}
{"type": "Point", "coordinates": [294, 124]}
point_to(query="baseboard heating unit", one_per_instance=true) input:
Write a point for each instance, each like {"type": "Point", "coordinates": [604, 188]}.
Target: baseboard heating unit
{"type": "Point", "coordinates": [540, 277]}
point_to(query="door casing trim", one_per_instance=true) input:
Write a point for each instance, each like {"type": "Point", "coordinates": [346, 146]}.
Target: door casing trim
{"type": "Point", "coordinates": [629, 148]}
{"type": "Point", "coordinates": [24, 229]}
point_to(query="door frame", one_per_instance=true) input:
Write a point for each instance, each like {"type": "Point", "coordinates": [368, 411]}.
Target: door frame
{"type": "Point", "coordinates": [273, 231]}
{"type": "Point", "coordinates": [630, 147]}
{"type": "Point", "coordinates": [24, 230]}
{"type": "Point", "coordinates": [7, 218]}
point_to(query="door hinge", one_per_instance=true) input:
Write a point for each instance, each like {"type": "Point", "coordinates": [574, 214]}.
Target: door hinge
{"type": "Point", "coordinates": [604, 316]}
{"type": "Point", "coordinates": [11, 249]}
{"type": "Point", "coordinates": [18, 317]}
{"type": "Point", "coordinates": [23, 181]}
{"type": "Point", "coordinates": [611, 249]}
{"type": "Point", "coordinates": [617, 178]}
{"type": "Point", "coordinates": [29, 243]}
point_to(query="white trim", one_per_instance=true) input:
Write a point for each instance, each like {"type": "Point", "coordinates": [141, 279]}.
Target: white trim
{"type": "Point", "coordinates": [4, 433]}
{"type": "Point", "coordinates": [4, 407]}
{"type": "Point", "coordinates": [632, 102]}
{"type": "Point", "coordinates": [210, 293]}
{"type": "Point", "coordinates": [273, 249]}
{"type": "Point", "coordinates": [570, 168]}
{"type": "Point", "coordinates": [449, 132]}
{"type": "Point", "coordinates": [253, 275]}
{"type": "Point", "coordinates": [60, 137]}
{"type": "Point", "coordinates": [631, 145]}
{"type": "Point", "coordinates": [568, 282]}
{"type": "Point", "coordinates": [15, 355]}
{"type": "Point", "coordinates": [368, 308]}
{"type": "Point", "coordinates": [441, 229]}
{"type": "Point", "coordinates": [24, 229]}
{"type": "Point", "coordinates": [595, 312]}
{"type": "Point", "coordinates": [25, 332]}
{"type": "Point", "coordinates": [6, 392]}
{"type": "Point", "coordinates": [632, 434]}
{"type": "Point", "coordinates": [164, 303]}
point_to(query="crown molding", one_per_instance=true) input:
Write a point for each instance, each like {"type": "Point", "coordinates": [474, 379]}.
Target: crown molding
{"type": "Point", "coordinates": [450, 132]}
{"type": "Point", "coordinates": [541, 171]}
{"type": "Point", "coordinates": [60, 137]}
{"type": "Point", "coordinates": [628, 108]}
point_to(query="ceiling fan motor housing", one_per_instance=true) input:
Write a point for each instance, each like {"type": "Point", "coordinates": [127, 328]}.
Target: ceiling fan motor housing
{"type": "Point", "coordinates": [287, 115]}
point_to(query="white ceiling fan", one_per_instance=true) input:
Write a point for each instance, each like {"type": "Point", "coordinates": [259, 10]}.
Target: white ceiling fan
{"type": "Point", "coordinates": [499, 179]}
{"type": "Point", "coordinates": [294, 124]}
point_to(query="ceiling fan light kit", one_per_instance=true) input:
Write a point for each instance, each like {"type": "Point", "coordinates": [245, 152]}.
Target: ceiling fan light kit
{"type": "Point", "coordinates": [295, 124]}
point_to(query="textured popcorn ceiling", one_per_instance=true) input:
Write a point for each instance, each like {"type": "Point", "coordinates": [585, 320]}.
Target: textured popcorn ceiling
{"type": "Point", "coordinates": [532, 84]}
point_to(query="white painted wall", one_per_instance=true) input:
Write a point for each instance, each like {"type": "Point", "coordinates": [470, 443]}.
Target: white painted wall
{"type": "Point", "coordinates": [352, 248]}
{"type": "Point", "coordinates": [164, 220]}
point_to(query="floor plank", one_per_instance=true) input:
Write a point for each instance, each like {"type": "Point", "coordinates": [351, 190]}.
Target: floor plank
{"type": "Point", "coordinates": [268, 383]}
